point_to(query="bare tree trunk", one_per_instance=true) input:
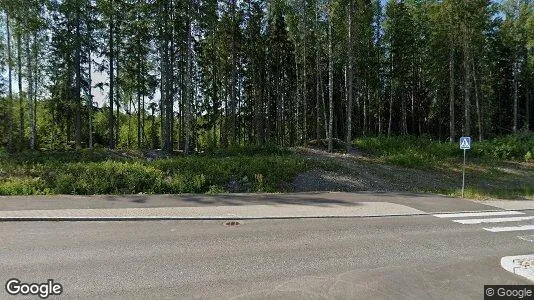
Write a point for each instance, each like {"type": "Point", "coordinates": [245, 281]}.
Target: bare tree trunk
{"type": "Point", "coordinates": [299, 97]}
{"type": "Point", "coordinates": [350, 75]}
{"type": "Point", "coordinates": [188, 87]}
{"type": "Point", "coordinates": [391, 91]}
{"type": "Point", "coordinates": [21, 104]}
{"type": "Point", "coordinates": [467, 89]}
{"type": "Point", "coordinates": [305, 92]}
{"type": "Point", "coordinates": [325, 117]}
{"type": "Point", "coordinates": [365, 103]}
{"type": "Point", "coordinates": [139, 125]}
{"type": "Point", "coordinates": [163, 85]}
{"type": "Point", "coordinates": [514, 128]}
{"type": "Point", "coordinates": [452, 133]}
{"type": "Point", "coordinates": [90, 102]}
{"type": "Point", "coordinates": [118, 86]}
{"type": "Point", "coordinates": [330, 83]}
{"type": "Point", "coordinates": [317, 75]}
{"type": "Point", "coordinates": [233, 78]}
{"type": "Point", "coordinates": [527, 108]}
{"type": "Point", "coordinates": [30, 93]}
{"type": "Point", "coordinates": [162, 101]}
{"type": "Point", "coordinates": [129, 120]}
{"type": "Point", "coordinates": [111, 124]}
{"type": "Point", "coordinates": [143, 122]}
{"type": "Point", "coordinates": [10, 93]}
{"type": "Point", "coordinates": [404, 121]}
{"type": "Point", "coordinates": [35, 85]}
{"type": "Point", "coordinates": [477, 102]}
{"type": "Point", "coordinates": [78, 84]}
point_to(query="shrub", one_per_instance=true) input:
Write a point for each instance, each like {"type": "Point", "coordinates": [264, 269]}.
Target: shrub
{"type": "Point", "coordinates": [103, 172]}
{"type": "Point", "coordinates": [107, 178]}
{"type": "Point", "coordinates": [419, 151]}
{"type": "Point", "coordinates": [23, 186]}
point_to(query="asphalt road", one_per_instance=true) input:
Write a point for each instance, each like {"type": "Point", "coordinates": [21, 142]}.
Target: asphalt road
{"type": "Point", "coordinates": [409, 257]}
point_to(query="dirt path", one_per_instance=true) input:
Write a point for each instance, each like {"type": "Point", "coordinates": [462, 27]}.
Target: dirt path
{"type": "Point", "coordinates": [357, 172]}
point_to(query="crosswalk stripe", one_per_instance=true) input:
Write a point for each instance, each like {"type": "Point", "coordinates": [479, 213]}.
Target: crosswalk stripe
{"type": "Point", "coordinates": [493, 220]}
{"type": "Point", "coordinates": [480, 214]}
{"type": "Point", "coordinates": [513, 228]}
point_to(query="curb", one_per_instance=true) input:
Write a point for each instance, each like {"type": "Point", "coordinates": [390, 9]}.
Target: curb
{"type": "Point", "coordinates": [178, 218]}
{"type": "Point", "coordinates": [522, 265]}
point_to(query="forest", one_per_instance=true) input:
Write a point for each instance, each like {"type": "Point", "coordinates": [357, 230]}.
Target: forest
{"type": "Point", "coordinates": [191, 75]}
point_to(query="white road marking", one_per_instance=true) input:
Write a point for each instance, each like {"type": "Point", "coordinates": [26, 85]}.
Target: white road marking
{"type": "Point", "coordinates": [513, 228]}
{"type": "Point", "coordinates": [528, 238]}
{"type": "Point", "coordinates": [480, 214]}
{"type": "Point", "coordinates": [493, 220]}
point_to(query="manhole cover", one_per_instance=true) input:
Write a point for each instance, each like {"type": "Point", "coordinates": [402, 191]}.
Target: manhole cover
{"type": "Point", "coordinates": [232, 223]}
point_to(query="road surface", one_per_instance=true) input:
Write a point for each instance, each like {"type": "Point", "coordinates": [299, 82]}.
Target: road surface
{"type": "Point", "coordinates": [403, 257]}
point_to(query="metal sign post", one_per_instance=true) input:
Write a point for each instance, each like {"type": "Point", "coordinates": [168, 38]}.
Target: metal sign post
{"type": "Point", "coordinates": [463, 174]}
{"type": "Point", "coordinates": [465, 144]}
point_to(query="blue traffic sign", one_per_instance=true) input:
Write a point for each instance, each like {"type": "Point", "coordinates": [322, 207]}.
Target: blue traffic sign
{"type": "Point", "coordinates": [465, 143]}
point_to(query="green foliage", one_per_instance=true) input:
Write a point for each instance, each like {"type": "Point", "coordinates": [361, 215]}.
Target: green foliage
{"type": "Point", "coordinates": [249, 150]}
{"type": "Point", "coordinates": [496, 193]}
{"type": "Point", "coordinates": [106, 172]}
{"type": "Point", "coordinates": [515, 147]}
{"type": "Point", "coordinates": [422, 152]}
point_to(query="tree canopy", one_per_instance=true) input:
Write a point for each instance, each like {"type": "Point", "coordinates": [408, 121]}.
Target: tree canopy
{"type": "Point", "coordinates": [193, 74]}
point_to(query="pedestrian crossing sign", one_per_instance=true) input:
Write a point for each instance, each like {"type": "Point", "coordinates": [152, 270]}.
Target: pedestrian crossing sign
{"type": "Point", "coordinates": [465, 143]}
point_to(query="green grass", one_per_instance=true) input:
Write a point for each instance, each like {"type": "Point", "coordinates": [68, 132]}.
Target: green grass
{"type": "Point", "coordinates": [418, 152]}
{"type": "Point", "coordinates": [479, 193]}
{"type": "Point", "coordinates": [498, 168]}
{"type": "Point", "coordinates": [103, 172]}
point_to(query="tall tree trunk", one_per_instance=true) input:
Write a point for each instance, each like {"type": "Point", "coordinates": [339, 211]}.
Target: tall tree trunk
{"type": "Point", "coordinates": [527, 107]}
{"type": "Point", "coordinates": [30, 93]}
{"type": "Point", "coordinates": [452, 133]}
{"type": "Point", "coordinates": [404, 121]}
{"type": "Point", "coordinates": [143, 122]}
{"type": "Point", "coordinates": [90, 101]}
{"type": "Point", "coordinates": [467, 89]}
{"type": "Point", "coordinates": [111, 123]}
{"type": "Point", "coordinates": [188, 88]}
{"type": "Point", "coordinates": [35, 85]}
{"type": "Point", "coordinates": [515, 71]}
{"type": "Point", "coordinates": [330, 82]}
{"type": "Point", "coordinates": [299, 96]}
{"type": "Point", "coordinates": [325, 115]}
{"type": "Point", "coordinates": [478, 104]}
{"type": "Point", "coordinates": [139, 125]}
{"type": "Point", "coordinates": [391, 91]}
{"type": "Point", "coordinates": [118, 85]}
{"type": "Point", "coordinates": [233, 77]}
{"type": "Point", "coordinates": [163, 82]}
{"type": "Point", "coordinates": [365, 103]}
{"type": "Point", "coordinates": [168, 147]}
{"type": "Point", "coordinates": [317, 75]}
{"type": "Point", "coordinates": [350, 75]}
{"type": "Point", "coordinates": [10, 90]}
{"type": "Point", "coordinates": [129, 120]}
{"type": "Point", "coordinates": [21, 104]}
{"type": "Point", "coordinates": [77, 90]}
{"type": "Point", "coordinates": [305, 91]}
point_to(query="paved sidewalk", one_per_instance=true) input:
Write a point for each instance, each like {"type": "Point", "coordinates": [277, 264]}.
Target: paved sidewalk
{"type": "Point", "coordinates": [424, 202]}
{"type": "Point", "coordinates": [362, 209]}
{"type": "Point", "coordinates": [240, 206]}
{"type": "Point", "coordinates": [511, 204]}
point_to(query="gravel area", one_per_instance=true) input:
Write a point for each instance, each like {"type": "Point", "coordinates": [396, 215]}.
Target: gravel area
{"type": "Point", "coordinates": [356, 172]}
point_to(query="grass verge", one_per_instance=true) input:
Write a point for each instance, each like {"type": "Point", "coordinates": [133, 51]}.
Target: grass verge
{"type": "Point", "coordinates": [104, 172]}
